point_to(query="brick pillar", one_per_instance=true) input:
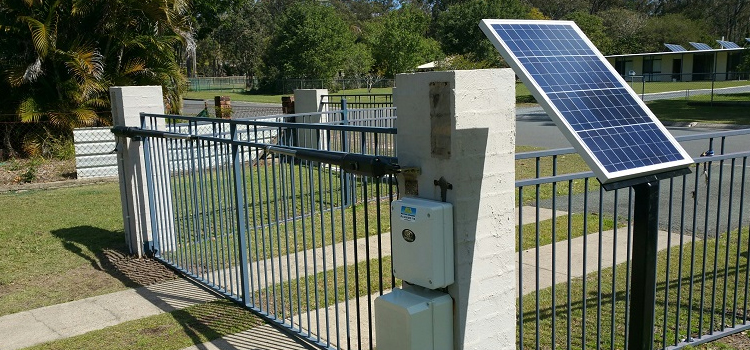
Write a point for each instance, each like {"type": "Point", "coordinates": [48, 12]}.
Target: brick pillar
{"type": "Point", "coordinates": [460, 125]}
{"type": "Point", "coordinates": [223, 106]}
{"type": "Point", "coordinates": [127, 104]}
{"type": "Point", "coordinates": [309, 102]}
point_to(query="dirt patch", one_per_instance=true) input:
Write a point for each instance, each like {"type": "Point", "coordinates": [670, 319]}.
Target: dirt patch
{"type": "Point", "coordinates": [113, 271]}
{"type": "Point", "coordinates": [737, 341]}
{"type": "Point", "coordinates": [15, 172]}
{"type": "Point", "coordinates": [141, 271]}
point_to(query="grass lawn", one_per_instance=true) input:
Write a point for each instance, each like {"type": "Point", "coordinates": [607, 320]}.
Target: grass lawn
{"type": "Point", "coordinates": [53, 242]}
{"type": "Point", "coordinates": [725, 109]}
{"type": "Point", "coordinates": [561, 229]}
{"type": "Point", "coordinates": [168, 331]}
{"type": "Point", "coordinates": [668, 284]}
{"type": "Point", "coordinates": [566, 164]}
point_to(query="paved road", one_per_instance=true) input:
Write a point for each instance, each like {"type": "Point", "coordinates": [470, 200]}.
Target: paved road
{"type": "Point", "coordinates": [535, 128]}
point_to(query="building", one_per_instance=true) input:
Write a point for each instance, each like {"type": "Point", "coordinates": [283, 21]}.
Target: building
{"type": "Point", "coordinates": [680, 64]}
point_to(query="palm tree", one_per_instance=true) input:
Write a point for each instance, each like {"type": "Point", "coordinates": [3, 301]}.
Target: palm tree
{"type": "Point", "coordinates": [58, 58]}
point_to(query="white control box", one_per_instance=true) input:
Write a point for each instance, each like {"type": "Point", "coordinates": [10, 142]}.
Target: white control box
{"type": "Point", "coordinates": [414, 319]}
{"type": "Point", "coordinates": [422, 239]}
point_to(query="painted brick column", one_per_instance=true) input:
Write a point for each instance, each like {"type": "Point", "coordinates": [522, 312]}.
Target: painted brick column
{"type": "Point", "coordinates": [460, 125]}
{"type": "Point", "coordinates": [127, 104]}
{"type": "Point", "coordinates": [309, 101]}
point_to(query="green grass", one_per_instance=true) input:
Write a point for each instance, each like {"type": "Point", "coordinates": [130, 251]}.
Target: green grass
{"type": "Point", "coordinates": [726, 247]}
{"type": "Point", "coordinates": [53, 241]}
{"type": "Point", "coordinates": [168, 331]}
{"type": "Point", "coordinates": [561, 229]}
{"type": "Point", "coordinates": [658, 86]}
{"type": "Point", "coordinates": [277, 299]}
{"type": "Point", "coordinates": [201, 323]}
{"type": "Point", "coordinates": [566, 164]}
{"type": "Point", "coordinates": [725, 110]}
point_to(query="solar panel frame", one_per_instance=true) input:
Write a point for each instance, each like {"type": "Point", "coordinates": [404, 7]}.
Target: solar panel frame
{"type": "Point", "coordinates": [728, 44]}
{"type": "Point", "coordinates": [701, 46]}
{"type": "Point", "coordinates": [572, 132]}
{"type": "Point", "coordinates": [675, 47]}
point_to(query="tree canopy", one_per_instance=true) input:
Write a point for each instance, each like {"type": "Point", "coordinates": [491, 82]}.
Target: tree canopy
{"type": "Point", "coordinates": [58, 58]}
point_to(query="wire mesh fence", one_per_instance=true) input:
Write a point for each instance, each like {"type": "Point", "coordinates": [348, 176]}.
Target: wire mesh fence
{"type": "Point", "coordinates": [234, 83]}
{"type": "Point", "coordinates": [709, 87]}
{"type": "Point", "coordinates": [232, 111]}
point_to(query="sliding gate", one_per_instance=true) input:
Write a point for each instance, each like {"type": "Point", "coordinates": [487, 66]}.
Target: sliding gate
{"type": "Point", "coordinates": [300, 235]}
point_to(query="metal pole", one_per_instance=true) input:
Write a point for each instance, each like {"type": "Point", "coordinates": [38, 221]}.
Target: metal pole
{"type": "Point", "coordinates": [643, 292]}
{"type": "Point", "coordinates": [345, 148]}
{"type": "Point", "coordinates": [239, 204]}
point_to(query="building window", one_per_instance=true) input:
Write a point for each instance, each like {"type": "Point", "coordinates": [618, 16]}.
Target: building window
{"type": "Point", "coordinates": [623, 65]}
{"type": "Point", "coordinates": [651, 68]}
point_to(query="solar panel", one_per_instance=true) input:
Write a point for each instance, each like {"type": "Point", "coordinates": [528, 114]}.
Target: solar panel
{"type": "Point", "coordinates": [675, 47]}
{"type": "Point", "coordinates": [593, 106]}
{"type": "Point", "coordinates": [728, 44]}
{"type": "Point", "coordinates": [748, 39]}
{"type": "Point", "coordinates": [701, 46]}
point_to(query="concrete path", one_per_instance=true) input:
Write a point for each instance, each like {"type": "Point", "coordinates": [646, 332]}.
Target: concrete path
{"type": "Point", "coordinates": [74, 318]}
{"type": "Point", "coordinates": [265, 337]}
{"type": "Point", "coordinates": [578, 259]}
{"type": "Point", "coordinates": [529, 214]}
{"type": "Point", "coordinates": [78, 317]}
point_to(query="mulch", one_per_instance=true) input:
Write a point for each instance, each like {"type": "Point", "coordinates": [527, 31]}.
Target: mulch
{"type": "Point", "coordinates": [141, 271]}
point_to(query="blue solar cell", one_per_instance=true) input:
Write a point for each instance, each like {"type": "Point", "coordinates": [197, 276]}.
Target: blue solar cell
{"type": "Point", "coordinates": [675, 47]}
{"type": "Point", "coordinates": [728, 44]}
{"type": "Point", "coordinates": [591, 103]}
{"type": "Point", "coordinates": [701, 46]}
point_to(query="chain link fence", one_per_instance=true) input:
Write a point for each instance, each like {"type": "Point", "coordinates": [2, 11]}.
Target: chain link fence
{"type": "Point", "coordinates": [232, 111]}
{"type": "Point", "coordinates": [709, 87]}
{"type": "Point", "coordinates": [34, 152]}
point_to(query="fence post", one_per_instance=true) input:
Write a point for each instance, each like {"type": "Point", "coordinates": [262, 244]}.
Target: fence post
{"type": "Point", "coordinates": [127, 104]}
{"type": "Point", "coordinates": [345, 147]}
{"type": "Point", "coordinates": [310, 101]}
{"type": "Point", "coordinates": [460, 125]}
{"type": "Point", "coordinates": [240, 214]}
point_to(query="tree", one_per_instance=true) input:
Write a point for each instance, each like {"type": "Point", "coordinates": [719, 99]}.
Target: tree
{"type": "Point", "coordinates": [593, 27]}
{"type": "Point", "coordinates": [457, 28]}
{"type": "Point", "coordinates": [558, 9]}
{"type": "Point", "coordinates": [399, 41]}
{"type": "Point", "coordinates": [359, 62]}
{"type": "Point", "coordinates": [673, 29]}
{"type": "Point", "coordinates": [58, 59]}
{"type": "Point", "coordinates": [310, 41]}
{"type": "Point", "coordinates": [243, 39]}
{"type": "Point", "coordinates": [624, 28]}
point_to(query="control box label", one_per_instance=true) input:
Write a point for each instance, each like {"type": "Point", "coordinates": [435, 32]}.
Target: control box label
{"type": "Point", "coordinates": [408, 213]}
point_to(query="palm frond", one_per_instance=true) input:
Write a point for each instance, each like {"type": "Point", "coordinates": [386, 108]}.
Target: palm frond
{"type": "Point", "coordinates": [29, 111]}
{"type": "Point", "coordinates": [39, 35]}
{"type": "Point", "coordinates": [134, 66]}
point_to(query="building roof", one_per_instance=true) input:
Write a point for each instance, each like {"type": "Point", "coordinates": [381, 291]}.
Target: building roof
{"type": "Point", "coordinates": [675, 53]}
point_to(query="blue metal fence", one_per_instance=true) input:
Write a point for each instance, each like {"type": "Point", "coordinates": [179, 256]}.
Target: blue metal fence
{"type": "Point", "coordinates": [574, 240]}
{"type": "Point", "coordinates": [298, 234]}
{"type": "Point", "coordinates": [265, 212]}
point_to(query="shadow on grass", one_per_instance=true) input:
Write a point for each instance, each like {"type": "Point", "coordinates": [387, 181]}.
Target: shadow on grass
{"type": "Point", "coordinates": [703, 300]}
{"type": "Point", "coordinates": [193, 306]}
{"type": "Point", "coordinates": [726, 109]}
{"type": "Point", "coordinates": [96, 245]}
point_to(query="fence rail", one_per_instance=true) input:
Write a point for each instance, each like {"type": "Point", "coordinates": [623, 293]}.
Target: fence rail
{"type": "Point", "coordinates": [284, 230]}
{"type": "Point", "coordinates": [574, 241]}
{"type": "Point", "coordinates": [701, 87]}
